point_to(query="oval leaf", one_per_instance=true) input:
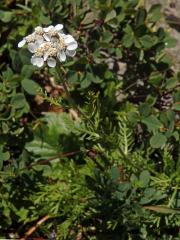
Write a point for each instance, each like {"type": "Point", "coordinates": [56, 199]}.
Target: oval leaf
{"type": "Point", "coordinates": [30, 86]}
{"type": "Point", "coordinates": [158, 140]}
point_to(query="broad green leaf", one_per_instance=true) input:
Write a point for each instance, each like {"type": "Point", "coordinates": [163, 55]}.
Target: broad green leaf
{"type": "Point", "coordinates": [8, 74]}
{"type": "Point", "coordinates": [155, 78]}
{"type": "Point", "coordinates": [88, 80]}
{"type": "Point", "coordinates": [121, 17]}
{"type": "Point", "coordinates": [30, 86]}
{"type": "Point", "coordinates": [145, 109]}
{"type": "Point", "coordinates": [140, 17]}
{"type": "Point", "coordinates": [133, 118]}
{"type": "Point", "coordinates": [158, 140]}
{"type": "Point", "coordinates": [151, 100]}
{"type": "Point", "coordinates": [89, 18]}
{"type": "Point", "coordinates": [148, 41]}
{"type": "Point", "coordinates": [148, 195]}
{"type": "Point", "coordinates": [97, 79]}
{"type": "Point", "coordinates": [128, 40]}
{"type": "Point", "coordinates": [73, 78]}
{"type": "Point", "coordinates": [27, 71]}
{"type": "Point", "coordinates": [166, 59]}
{"type": "Point", "coordinates": [113, 23]}
{"type": "Point", "coordinates": [171, 82]}
{"type": "Point", "coordinates": [152, 123]}
{"type": "Point", "coordinates": [18, 101]}
{"type": "Point", "coordinates": [6, 16]}
{"type": "Point", "coordinates": [110, 16]}
{"type": "Point", "coordinates": [144, 177]}
{"type": "Point", "coordinates": [44, 19]}
{"type": "Point", "coordinates": [22, 213]}
{"type": "Point", "coordinates": [124, 186]}
{"type": "Point", "coordinates": [115, 173]}
{"type": "Point", "coordinates": [154, 13]}
{"type": "Point", "coordinates": [170, 42]}
{"type": "Point", "coordinates": [3, 156]}
{"type": "Point", "coordinates": [41, 148]}
{"type": "Point", "coordinates": [170, 115]}
{"type": "Point", "coordinates": [85, 83]}
{"type": "Point", "coordinates": [107, 36]}
{"type": "Point", "coordinates": [48, 137]}
{"type": "Point", "coordinates": [152, 194]}
{"type": "Point", "coordinates": [61, 123]}
{"type": "Point", "coordinates": [119, 53]}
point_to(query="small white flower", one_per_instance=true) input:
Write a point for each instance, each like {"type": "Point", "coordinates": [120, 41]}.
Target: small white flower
{"type": "Point", "coordinates": [49, 45]}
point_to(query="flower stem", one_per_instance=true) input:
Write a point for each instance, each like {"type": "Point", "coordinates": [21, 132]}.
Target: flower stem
{"type": "Point", "coordinates": [70, 100]}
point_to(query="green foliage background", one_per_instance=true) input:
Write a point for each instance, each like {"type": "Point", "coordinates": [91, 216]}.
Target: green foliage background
{"type": "Point", "coordinates": [113, 172]}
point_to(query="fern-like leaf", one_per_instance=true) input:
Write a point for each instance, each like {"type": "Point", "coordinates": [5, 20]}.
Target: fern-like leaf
{"type": "Point", "coordinates": [125, 135]}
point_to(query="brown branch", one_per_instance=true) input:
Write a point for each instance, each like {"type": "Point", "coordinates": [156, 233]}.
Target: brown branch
{"type": "Point", "coordinates": [57, 156]}
{"type": "Point", "coordinates": [53, 158]}
{"type": "Point", "coordinates": [33, 228]}
{"type": "Point", "coordinates": [44, 161]}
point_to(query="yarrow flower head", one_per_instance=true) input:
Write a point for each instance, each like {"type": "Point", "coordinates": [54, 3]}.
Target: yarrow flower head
{"type": "Point", "coordinates": [49, 45]}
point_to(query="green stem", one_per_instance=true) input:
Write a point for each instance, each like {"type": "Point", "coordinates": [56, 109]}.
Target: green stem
{"type": "Point", "coordinates": [70, 100]}
{"type": "Point", "coordinates": [173, 197]}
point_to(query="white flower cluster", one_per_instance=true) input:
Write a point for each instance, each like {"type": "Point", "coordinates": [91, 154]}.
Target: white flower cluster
{"type": "Point", "coordinates": [49, 44]}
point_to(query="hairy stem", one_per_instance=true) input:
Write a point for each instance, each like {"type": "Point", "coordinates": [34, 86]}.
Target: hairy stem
{"type": "Point", "coordinates": [71, 102]}
{"type": "Point", "coordinates": [69, 99]}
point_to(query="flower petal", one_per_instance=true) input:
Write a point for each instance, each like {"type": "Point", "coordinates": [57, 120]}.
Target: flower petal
{"type": "Point", "coordinates": [37, 61]}
{"type": "Point", "coordinates": [71, 53]}
{"type": "Point", "coordinates": [62, 56]}
{"type": "Point", "coordinates": [32, 47]}
{"type": "Point", "coordinates": [21, 43]}
{"type": "Point", "coordinates": [48, 28]}
{"type": "Point", "coordinates": [68, 39]}
{"type": "Point", "coordinates": [61, 34]}
{"type": "Point", "coordinates": [46, 55]}
{"type": "Point", "coordinates": [37, 45]}
{"type": "Point", "coordinates": [47, 37]}
{"type": "Point", "coordinates": [54, 39]}
{"type": "Point", "coordinates": [59, 27]}
{"type": "Point", "coordinates": [51, 62]}
{"type": "Point", "coordinates": [72, 46]}
{"type": "Point", "coordinates": [33, 60]}
{"type": "Point", "coordinates": [39, 40]}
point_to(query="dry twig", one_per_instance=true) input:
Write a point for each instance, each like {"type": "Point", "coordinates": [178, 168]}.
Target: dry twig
{"type": "Point", "coordinates": [33, 228]}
